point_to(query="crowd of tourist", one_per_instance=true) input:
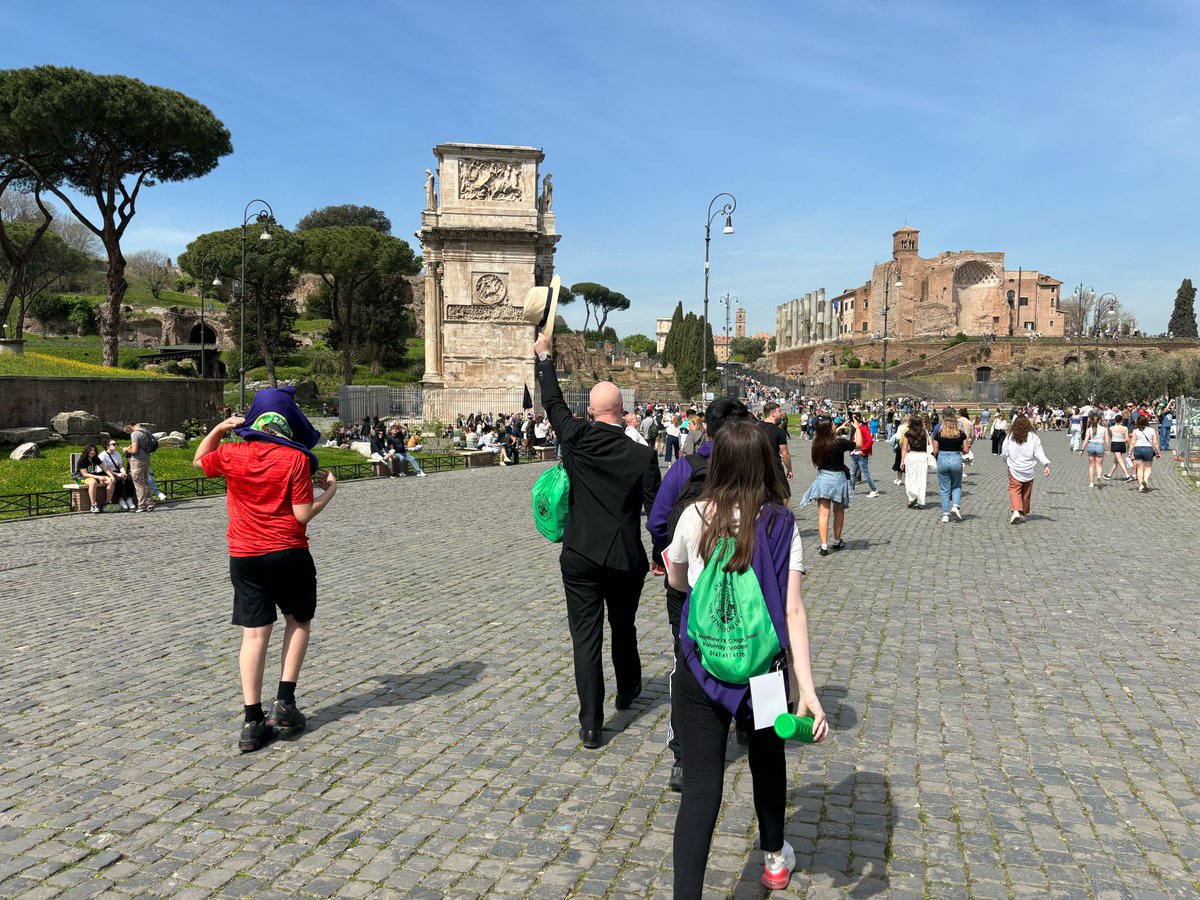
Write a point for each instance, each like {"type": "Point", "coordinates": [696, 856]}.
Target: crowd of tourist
{"type": "Point", "coordinates": [122, 478]}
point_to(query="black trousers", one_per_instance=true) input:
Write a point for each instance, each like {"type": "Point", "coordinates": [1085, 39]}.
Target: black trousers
{"type": "Point", "coordinates": [590, 588]}
{"type": "Point", "coordinates": [997, 440]}
{"type": "Point", "coordinates": [703, 732]}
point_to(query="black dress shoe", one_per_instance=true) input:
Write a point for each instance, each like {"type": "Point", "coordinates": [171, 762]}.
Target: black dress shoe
{"type": "Point", "coordinates": [590, 738]}
{"type": "Point", "coordinates": [624, 701]}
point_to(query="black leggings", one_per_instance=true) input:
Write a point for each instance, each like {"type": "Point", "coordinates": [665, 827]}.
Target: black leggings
{"type": "Point", "coordinates": [703, 728]}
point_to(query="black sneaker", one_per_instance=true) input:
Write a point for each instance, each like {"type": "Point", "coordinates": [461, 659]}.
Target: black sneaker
{"type": "Point", "coordinates": [255, 735]}
{"type": "Point", "coordinates": [285, 717]}
{"type": "Point", "coordinates": [837, 545]}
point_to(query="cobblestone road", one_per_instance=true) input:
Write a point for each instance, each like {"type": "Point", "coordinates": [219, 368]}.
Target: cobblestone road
{"type": "Point", "coordinates": [1013, 707]}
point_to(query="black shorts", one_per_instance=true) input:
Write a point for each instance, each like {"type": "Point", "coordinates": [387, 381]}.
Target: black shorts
{"type": "Point", "coordinates": [285, 578]}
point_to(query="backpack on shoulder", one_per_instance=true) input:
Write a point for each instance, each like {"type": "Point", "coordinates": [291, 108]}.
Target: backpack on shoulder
{"type": "Point", "coordinates": [551, 495]}
{"type": "Point", "coordinates": [729, 620]}
{"type": "Point", "coordinates": [151, 442]}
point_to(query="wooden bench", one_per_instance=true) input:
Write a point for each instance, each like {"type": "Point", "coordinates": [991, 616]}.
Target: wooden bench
{"type": "Point", "coordinates": [380, 469]}
{"type": "Point", "coordinates": [476, 458]}
{"type": "Point", "coordinates": [545, 454]}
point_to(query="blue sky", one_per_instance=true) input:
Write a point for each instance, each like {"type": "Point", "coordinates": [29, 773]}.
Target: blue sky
{"type": "Point", "coordinates": [1066, 134]}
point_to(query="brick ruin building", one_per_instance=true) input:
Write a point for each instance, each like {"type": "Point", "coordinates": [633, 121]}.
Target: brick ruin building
{"type": "Point", "coordinates": [968, 291]}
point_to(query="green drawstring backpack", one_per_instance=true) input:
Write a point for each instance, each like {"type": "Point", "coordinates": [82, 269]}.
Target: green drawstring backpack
{"type": "Point", "coordinates": [551, 493]}
{"type": "Point", "coordinates": [729, 620]}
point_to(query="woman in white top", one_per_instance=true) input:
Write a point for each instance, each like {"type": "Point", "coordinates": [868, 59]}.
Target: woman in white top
{"type": "Point", "coordinates": [1022, 451]}
{"type": "Point", "coordinates": [1095, 444]}
{"type": "Point", "coordinates": [123, 493]}
{"type": "Point", "coordinates": [999, 430]}
{"type": "Point", "coordinates": [674, 433]}
{"type": "Point", "coordinates": [1145, 451]}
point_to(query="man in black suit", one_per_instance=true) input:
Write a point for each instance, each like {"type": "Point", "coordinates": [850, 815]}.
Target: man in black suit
{"type": "Point", "coordinates": [603, 561]}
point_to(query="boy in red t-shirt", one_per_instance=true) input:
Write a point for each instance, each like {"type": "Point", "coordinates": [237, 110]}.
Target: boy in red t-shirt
{"type": "Point", "coordinates": [269, 495]}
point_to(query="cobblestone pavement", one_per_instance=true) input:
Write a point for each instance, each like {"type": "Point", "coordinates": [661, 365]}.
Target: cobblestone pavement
{"type": "Point", "coordinates": [1013, 707]}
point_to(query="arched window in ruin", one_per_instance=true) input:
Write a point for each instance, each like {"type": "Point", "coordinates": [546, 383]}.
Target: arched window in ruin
{"type": "Point", "coordinates": [983, 374]}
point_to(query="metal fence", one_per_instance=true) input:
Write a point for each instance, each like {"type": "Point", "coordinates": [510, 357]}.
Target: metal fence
{"type": "Point", "coordinates": [1187, 440]}
{"type": "Point", "coordinates": [987, 392]}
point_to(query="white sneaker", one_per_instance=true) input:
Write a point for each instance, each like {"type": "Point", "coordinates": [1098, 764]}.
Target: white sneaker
{"type": "Point", "coordinates": [420, 474]}
{"type": "Point", "coordinates": [1014, 518]}
{"type": "Point", "coordinates": [945, 520]}
{"type": "Point", "coordinates": [777, 868]}
{"type": "Point", "coordinates": [897, 482]}
{"type": "Point", "coordinates": [873, 494]}
{"type": "Point", "coordinates": [956, 512]}
{"type": "Point", "coordinates": [161, 497]}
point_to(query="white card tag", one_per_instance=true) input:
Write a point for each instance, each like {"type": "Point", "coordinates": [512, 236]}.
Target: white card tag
{"type": "Point", "coordinates": [768, 697]}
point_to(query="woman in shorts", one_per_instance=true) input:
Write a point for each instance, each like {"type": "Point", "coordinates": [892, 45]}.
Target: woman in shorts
{"type": "Point", "coordinates": [91, 475]}
{"type": "Point", "coordinates": [1095, 445]}
{"type": "Point", "coordinates": [1145, 451]}
{"type": "Point", "coordinates": [1118, 436]}
{"type": "Point", "coordinates": [831, 487]}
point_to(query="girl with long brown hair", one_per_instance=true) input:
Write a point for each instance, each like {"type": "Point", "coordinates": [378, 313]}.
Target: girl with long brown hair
{"type": "Point", "coordinates": [1022, 450]}
{"type": "Point", "coordinates": [744, 500]}
{"type": "Point", "coordinates": [831, 487]}
{"type": "Point", "coordinates": [915, 448]}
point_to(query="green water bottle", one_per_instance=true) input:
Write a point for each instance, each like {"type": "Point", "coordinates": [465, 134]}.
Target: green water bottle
{"type": "Point", "coordinates": [794, 728]}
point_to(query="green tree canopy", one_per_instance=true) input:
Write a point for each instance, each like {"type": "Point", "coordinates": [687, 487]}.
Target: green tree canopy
{"type": "Point", "coordinates": [639, 343]}
{"type": "Point", "coordinates": [346, 214]}
{"type": "Point", "coordinates": [271, 278]}
{"type": "Point", "coordinates": [672, 343]}
{"type": "Point", "coordinates": [598, 300]}
{"type": "Point", "coordinates": [746, 349]}
{"type": "Point", "coordinates": [1183, 316]}
{"type": "Point", "coordinates": [41, 262]}
{"type": "Point", "coordinates": [106, 137]}
{"type": "Point", "coordinates": [358, 263]}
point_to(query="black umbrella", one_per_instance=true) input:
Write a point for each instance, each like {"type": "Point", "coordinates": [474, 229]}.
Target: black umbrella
{"type": "Point", "coordinates": [526, 400]}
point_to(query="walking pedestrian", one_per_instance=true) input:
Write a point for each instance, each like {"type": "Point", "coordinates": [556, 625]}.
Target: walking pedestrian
{"type": "Point", "coordinates": [603, 561]}
{"type": "Point", "coordinates": [682, 486]}
{"type": "Point", "coordinates": [269, 496]}
{"type": "Point", "coordinates": [915, 451]}
{"type": "Point", "coordinates": [742, 505]}
{"type": "Point", "coordinates": [999, 431]}
{"type": "Point", "coordinates": [896, 440]}
{"type": "Point", "coordinates": [1022, 450]}
{"type": "Point", "coordinates": [831, 487]}
{"type": "Point", "coordinates": [860, 456]}
{"type": "Point", "coordinates": [952, 444]}
{"type": "Point", "coordinates": [772, 413]}
{"type": "Point", "coordinates": [1166, 420]}
{"type": "Point", "coordinates": [1118, 434]}
{"type": "Point", "coordinates": [1096, 444]}
{"type": "Point", "coordinates": [1145, 451]}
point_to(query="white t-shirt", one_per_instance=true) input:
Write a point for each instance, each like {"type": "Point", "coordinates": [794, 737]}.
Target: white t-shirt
{"type": "Point", "coordinates": [633, 435]}
{"type": "Point", "coordinates": [685, 546]}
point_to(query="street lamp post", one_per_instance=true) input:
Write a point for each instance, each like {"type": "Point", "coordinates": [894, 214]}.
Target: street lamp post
{"type": "Point", "coordinates": [200, 285]}
{"type": "Point", "coordinates": [263, 217]}
{"type": "Point", "coordinates": [1096, 326]}
{"type": "Point", "coordinates": [727, 212]}
{"type": "Point", "coordinates": [728, 301]}
{"type": "Point", "coordinates": [887, 281]}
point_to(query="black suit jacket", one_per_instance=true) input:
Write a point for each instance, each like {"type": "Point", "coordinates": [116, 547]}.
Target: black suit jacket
{"type": "Point", "coordinates": [613, 480]}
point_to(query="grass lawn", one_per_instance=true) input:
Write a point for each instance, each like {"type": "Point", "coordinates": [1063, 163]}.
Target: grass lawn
{"type": "Point", "coordinates": [42, 364]}
{"type": "Point", "coordinates": [51, 471]}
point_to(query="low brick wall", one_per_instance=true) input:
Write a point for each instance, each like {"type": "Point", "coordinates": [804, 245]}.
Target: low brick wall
{"type": "Point", "coordinates": [30, 401]}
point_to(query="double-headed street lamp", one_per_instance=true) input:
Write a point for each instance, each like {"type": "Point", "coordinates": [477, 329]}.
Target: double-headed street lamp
{"type": "Point", "coordinates": [264, 218]}
{"type": "Point", "coordinates": [1101, 312]}
{"type": "Point", "coordinates": [200, 284]}
{"type": "Point", "coordinates": [887, 282]}
{"type": "Point", "coordinates": [727, 212]}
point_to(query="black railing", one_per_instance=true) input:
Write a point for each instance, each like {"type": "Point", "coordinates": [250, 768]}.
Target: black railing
{"type": "Point", "coordinates": [43, 503]}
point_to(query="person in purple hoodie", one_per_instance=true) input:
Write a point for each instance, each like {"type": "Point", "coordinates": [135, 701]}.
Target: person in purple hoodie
{"type": "Point", "coordinates": [743, 499]}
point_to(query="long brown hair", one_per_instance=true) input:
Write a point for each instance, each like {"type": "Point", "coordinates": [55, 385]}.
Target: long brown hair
{"type": "Point", "coordinates": [822, 443]}
{"type": "Point", "coordinates": [1020, 429]}
{"type": "Point", "coordinates": [916, 434]}
{"type": "Point", "coordinates": [741, 480]}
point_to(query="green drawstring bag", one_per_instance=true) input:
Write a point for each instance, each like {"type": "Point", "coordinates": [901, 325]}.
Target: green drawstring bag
{"type": "Point", "coordinates": [729, 620]}
{"type": "Point", "coordinates": [551, 493]}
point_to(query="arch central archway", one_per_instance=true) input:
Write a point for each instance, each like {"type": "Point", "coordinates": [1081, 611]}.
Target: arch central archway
{"type": "Point", "coordinates": [202, 334]}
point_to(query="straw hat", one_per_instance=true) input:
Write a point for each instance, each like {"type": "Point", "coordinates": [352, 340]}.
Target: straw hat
{"type": "Point", "coordinates": [541, 305]}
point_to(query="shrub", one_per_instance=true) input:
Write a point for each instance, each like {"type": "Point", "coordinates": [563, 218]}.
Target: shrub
{"type": "Point", "coordinates": [322, 361]}
{"type": "Point", "coordinates": [193, 428]}
{"type": "Point", "coordinates": [131, 362]}
{"type": "Point", "coordinates": [83, 316]}
{"type": "Point", "coordinates": [959, 338]}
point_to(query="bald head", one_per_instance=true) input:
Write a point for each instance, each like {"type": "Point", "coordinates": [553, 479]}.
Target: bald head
{"type": "Point", "coordinates": [605, 403]}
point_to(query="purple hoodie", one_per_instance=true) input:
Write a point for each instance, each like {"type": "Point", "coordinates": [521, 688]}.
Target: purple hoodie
{"type": "Point", "coordinates": [772, 555]}
{"type": "Point", "coordinates": [672, 486]}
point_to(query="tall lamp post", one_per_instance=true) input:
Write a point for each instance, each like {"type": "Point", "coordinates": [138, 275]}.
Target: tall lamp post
{"type": "Point", "coordinates": [264, 218]}
{"type": "Point", "coordinates": [894, 265]}
{"type": "Point", "coordinates": [728, 301]}
{"type": "Point", "coordinates": [1098, 317]}
{"type": "Point", "coordinates": [727, 212]}
{"type": "Point", "coordinates": [200, 285]}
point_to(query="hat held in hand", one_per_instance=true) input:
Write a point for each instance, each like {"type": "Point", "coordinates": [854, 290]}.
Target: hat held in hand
{"type": "Point", "coordinates": [541, 306]}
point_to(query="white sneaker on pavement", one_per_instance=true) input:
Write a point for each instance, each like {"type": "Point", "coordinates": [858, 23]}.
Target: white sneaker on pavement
{"type": "Point", "coordinates": [956, 512]}
{"type": "Point", "coordinates": [873, 494]}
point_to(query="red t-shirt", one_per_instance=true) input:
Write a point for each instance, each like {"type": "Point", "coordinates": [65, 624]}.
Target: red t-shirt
{"type": "Point", "coordinates": [263, 480]}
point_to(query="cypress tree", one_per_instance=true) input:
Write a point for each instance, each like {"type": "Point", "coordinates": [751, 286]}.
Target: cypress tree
{"type": "Point", "coordinates": [672, 343]}
{"type": "Point", "coordinates": [1183, 317]}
